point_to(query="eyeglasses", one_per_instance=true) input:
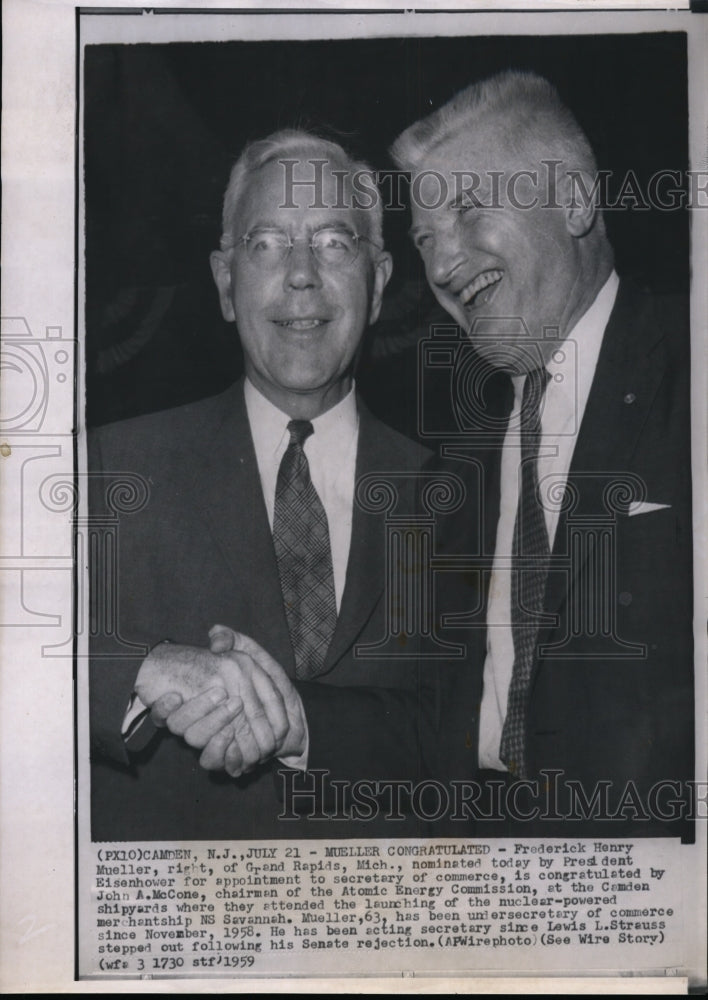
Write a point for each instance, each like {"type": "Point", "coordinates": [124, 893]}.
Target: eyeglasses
{"type": "Point", "coordinates": [269, 248]}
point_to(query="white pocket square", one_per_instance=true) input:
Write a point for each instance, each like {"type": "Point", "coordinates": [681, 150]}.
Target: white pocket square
{"type": "Point", "coordinates": [640, 507]}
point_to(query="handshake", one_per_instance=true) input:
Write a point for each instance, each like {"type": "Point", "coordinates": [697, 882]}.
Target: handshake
{"type": "Point", "coordinates": [232, 701]}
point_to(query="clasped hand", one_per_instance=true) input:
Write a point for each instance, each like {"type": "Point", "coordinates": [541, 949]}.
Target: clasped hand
{"type": "Point", "coordinates": [233, 701]}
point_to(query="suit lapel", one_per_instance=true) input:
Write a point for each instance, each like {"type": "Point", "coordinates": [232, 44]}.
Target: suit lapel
{"type": "Point", "coordinates": [227, 490]}
{"type": "Point", "coordinates": [629, 371]}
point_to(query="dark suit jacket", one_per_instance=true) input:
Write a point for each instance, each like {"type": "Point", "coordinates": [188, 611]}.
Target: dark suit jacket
{"type": "Point", "coordinates": [611, 696]}
{"type": "Point", "coordinates": [197, 552]}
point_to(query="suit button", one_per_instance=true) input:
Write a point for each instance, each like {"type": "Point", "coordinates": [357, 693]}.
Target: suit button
{"type": "Point", "coordinates": [625, 598]}
{"type": "Point", "coordinates": [630, 397]}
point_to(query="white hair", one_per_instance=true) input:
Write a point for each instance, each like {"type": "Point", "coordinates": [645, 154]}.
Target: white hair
{"type": "Point", "coordinates": [287, 143]}
{"type": "Point", "coordinates": [523, 108]}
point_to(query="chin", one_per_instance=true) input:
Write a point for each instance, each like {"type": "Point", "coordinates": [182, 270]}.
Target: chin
{"type": "Point", "coordinates": [309, 382]}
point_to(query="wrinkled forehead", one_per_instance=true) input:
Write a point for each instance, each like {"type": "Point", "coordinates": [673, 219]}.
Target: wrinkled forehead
{"type": "Point", "coordinates": [489, 141]}
{"type": "Point", "coordinates": [305, 191]}
{"type": "Point", "coordinates": [477, 166]}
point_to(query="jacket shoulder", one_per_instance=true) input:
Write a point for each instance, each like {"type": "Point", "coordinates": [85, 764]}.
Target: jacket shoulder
{"type": "Point", "coordinates": [654, 317]}
{"type": "Point", "coordinates": [154, 435]}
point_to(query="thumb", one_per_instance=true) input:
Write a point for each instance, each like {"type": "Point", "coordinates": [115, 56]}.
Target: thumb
{"type": "Point", "coordinates": [263, 659]}
{"type": "Point", "coordinates": [164, 706]}
{"type": "Point", "coordinates": [222, 639]}
{"type": "Point", "coordinates": [245, 644]}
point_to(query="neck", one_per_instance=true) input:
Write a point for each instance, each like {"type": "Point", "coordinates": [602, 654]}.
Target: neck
{"type": "Point", "coordinates": [305, 405]}
{"type": "Point", "coordinates": [593, 271]}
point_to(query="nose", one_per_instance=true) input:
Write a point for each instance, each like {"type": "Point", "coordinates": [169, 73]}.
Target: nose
{"type": "Point", "coordinates": [301, 269]}
{"type": "Point", "coordinates": [447, 254]}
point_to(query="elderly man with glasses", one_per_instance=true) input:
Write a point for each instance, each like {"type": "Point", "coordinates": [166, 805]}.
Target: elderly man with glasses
{"type": "Point", "coordinates": [251, 520]}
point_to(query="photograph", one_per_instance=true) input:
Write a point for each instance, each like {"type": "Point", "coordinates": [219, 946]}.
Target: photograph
{"type": "Point", "coordinates": [386, 633]}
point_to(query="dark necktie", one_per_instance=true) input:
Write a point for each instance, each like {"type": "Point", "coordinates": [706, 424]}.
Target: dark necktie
{"type": "Point", "coordinates": [530, 558]}
{"type": "Point", "coordinates": [301, 538]}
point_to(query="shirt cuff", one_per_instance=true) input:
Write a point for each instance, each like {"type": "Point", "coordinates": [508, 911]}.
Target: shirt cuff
{"type": "Point", "coordinates": [298, 762]}
{"type": "Point", "coordinates": [135, 715]}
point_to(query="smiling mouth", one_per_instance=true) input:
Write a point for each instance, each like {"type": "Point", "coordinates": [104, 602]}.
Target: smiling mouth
{"type": "Point", "coordinates": [300, 324]}
{"type": "Point", "coordinates": [480, 290]}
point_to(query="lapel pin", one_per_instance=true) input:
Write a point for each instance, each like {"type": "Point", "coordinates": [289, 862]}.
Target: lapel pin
{"type": "Point", "coordinates": [630, 397]}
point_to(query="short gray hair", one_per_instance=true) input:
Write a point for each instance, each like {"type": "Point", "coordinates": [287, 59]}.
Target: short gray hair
{"type": "Point", "coordinates": [287, 143]}
{"type": "Point", "coordinates": [535, 122]}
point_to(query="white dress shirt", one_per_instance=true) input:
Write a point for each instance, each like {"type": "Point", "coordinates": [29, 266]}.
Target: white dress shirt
{"type": "Point", "coordinates": [572, 368]}
{"type": "Point", "coordinates": [331, 455]}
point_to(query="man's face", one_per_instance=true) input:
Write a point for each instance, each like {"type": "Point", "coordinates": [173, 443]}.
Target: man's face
{"type": "Point", "coordinates": [487, 259]}
{"type": "Point", "coordinates": [300, 321]}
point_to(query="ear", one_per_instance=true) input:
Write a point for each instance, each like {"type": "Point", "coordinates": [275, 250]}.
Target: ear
{"type": "Point", "coordinates": [580, 196]}
{"type": "Point", "coordinates": [383, 269]}
{"type": "Point", "coordinates": [220, 261]}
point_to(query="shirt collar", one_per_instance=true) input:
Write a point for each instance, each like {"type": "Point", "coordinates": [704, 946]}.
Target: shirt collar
{"type": "Point", "coordinates": [269, 424]}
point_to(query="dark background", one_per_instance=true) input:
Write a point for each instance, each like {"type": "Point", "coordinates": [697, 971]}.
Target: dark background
{"type": "Point", "coordinates": [164, 124]}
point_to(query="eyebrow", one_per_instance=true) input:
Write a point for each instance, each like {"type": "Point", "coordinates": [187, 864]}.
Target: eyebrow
{"type": "Point", "coordinates": [466, 198]}
{"type": "Point", "coordinates": [453, 205]}
{"type": "Point", "coordinates": [265, 224]}
{"type": "Point", "coordinates": [344, 227]}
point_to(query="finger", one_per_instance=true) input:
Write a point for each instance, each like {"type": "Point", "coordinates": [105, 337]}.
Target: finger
{"type": "Point", "coordinates": [263, 659]}
{"type": "Point", "coordinates": [221, 638]}
{"type": "Point", "coordinates": [204, 729]}
{"type": "Point", "coordinates": [282, 686]}
{"type": "Point", "coordinates": [165, 706]}
{"type": "Point", "coordinates": [251, 750]}
{"type": "Point", "coordinates": [273, 705]}
{"type": "Point", "coordinates": [233, 760]}
{"type": "Point", "coordinates": [195, 709]}
{"type": "Point", "coordinates": [213, 756]}
{"type": "Point", "coordinates": [240, 673]}
{"type": "Point", "coordinates": [241, 668]}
